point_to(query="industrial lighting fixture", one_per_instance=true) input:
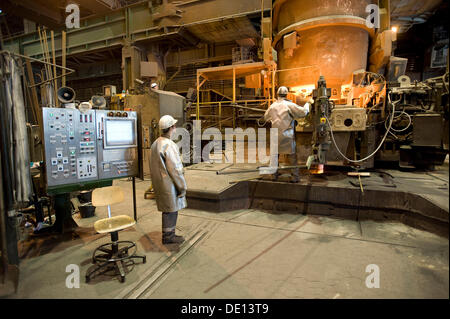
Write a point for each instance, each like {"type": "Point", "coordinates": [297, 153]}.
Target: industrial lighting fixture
{"type": "Point", "coordinates": [394, 29]}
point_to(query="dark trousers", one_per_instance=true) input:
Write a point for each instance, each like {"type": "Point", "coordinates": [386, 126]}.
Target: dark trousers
{"type": "Point", "coordinates": [169, 222]}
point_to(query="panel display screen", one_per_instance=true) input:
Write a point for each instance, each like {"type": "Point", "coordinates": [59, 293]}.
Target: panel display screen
{"type": "Point", "coordinates": [120, 133]}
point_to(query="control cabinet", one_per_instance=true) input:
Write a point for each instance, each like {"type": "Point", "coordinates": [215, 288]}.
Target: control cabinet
{"type": "Point", "coordinates": [88, 146]}
{"type": "Point", "coordinates": [117, 143]}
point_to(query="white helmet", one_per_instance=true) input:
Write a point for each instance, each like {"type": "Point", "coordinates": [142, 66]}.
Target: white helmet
{"type": "Point", "coordinates": [282, 90]}
{"type": "Point", "coordinates": [166, 121]}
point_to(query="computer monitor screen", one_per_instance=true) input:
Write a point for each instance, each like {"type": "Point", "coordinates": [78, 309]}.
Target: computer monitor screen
{"type": "Point", "coordinates": [120, 133]}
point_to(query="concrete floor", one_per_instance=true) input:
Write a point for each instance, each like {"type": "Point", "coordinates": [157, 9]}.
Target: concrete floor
{"type": "Point", "coordinates": [242, 254]}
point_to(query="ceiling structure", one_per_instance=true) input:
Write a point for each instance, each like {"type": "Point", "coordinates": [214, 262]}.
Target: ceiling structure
{"type": "Point", "coordinates": [184, 23]}
{"type": "Point", "coordinates": [173, 24]}
{"type": "Point", "coordinates": [406, 13]}
{"type": "Point", "coordinates": [52, 13]}
{"type": "Point", "coordinates": [225, 31]}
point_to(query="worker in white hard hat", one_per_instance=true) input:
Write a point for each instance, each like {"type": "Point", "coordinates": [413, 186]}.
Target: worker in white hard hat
{"type": "Point", "coordinates": [166, 170]}
{"type": "Point", "coordinates": [154, 86]}
{"type": "Point", "coordinates": [282, 114]}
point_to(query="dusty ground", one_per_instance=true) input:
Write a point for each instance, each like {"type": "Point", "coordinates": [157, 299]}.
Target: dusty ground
{"type": "Point", "coordinates": [242, 254]}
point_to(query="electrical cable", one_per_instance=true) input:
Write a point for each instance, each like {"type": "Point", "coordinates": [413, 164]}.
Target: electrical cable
{"type": "Point", "coordinates": [379, 146]}
{"type": "Point", "coordinates": [403, 129]}
{"type": "Point", "coordinates": [257, 122]}
{"type": "Point", "coordinates": [388, 130]}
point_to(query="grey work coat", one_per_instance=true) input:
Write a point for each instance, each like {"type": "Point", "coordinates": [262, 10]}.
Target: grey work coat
{"type": "Point", "coordinates": [166, 170]}
{"type": "Point", "coordinates": [282, 114]}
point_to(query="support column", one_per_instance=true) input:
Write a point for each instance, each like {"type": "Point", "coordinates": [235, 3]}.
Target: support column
{"type": "Point", "coordinates": [131, 69]}
{"type": "Point", "coordinates": [155, 55]}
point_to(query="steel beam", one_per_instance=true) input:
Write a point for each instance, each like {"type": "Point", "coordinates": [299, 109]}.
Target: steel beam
{"type": "Point", "coordinates": [134, 24]}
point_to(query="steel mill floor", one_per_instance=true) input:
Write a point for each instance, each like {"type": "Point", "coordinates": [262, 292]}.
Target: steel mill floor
{"type": "Point", "coordinates": [248, 253]}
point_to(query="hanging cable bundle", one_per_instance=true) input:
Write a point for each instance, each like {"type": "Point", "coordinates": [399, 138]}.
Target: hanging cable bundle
{"type": "Point", "coordinates": [13, 109]}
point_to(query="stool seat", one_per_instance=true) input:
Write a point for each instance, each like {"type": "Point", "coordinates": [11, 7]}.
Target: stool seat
{"type": "Point", "coordinates": [116, 223]}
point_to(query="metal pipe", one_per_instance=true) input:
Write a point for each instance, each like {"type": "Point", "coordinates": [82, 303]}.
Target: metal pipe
{"type": "Point", "coordinates": [248, 108]}
{"type": "Point", "coordinates": [134, 198]}
{"type": "Point", "coordinates": [54, 68]}
{"type": "Point", "coordinates": [44, 62]}
{"type": "Point", "coordinates": [262, 101]}
{"type": "Point", "coordinates": [36, 60]}
{"type": "Point", "coordinates": [243, 180]}
{"type": "Point", "coordinates": [257, 169]}
{"type": "Point", "coordinates": [63, 57]}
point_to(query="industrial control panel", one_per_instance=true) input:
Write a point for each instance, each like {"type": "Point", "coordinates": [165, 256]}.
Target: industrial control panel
{"type": "Point", "coordinates": [82, 146]}
{"type": "Point", "coordinates": [117, 143]}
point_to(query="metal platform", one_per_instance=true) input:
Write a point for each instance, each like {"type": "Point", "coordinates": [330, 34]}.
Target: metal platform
{"type": "Point", "coordinates": [419, 199]}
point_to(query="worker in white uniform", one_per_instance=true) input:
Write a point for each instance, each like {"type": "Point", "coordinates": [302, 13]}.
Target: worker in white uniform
{"type": "Point", "coordinates": [166, 170]}
{"type": "Point", "coordinates": [282, 114]}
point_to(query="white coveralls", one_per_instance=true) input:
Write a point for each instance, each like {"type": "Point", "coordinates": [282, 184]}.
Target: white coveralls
{"type": "Point", "coordinates": [166, 170]}
{"type": "Point", "coordinates": [282, 114]}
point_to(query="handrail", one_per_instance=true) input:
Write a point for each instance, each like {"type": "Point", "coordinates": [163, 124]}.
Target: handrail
{"type": "Point", "coordinates": [231, 102]}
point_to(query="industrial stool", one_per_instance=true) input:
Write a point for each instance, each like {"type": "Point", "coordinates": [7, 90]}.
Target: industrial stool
{"type": "Point", "coordinates": [112, 255]}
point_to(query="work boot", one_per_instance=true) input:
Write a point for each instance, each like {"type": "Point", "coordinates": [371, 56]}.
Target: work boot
{"type": "Point", "coordinates": [174, 239]}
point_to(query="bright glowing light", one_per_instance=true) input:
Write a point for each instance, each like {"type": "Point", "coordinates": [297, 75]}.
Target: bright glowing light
{"type": "Point", "coordinates": [304, 90]}
{"type": "Point", "coordinates": [320, 169]}
{"type": "Point", "coordinates": [394, 29]}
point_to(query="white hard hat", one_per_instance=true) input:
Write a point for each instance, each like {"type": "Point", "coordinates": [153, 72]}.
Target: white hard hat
{"type": "Point", "coordinates": [282, 90]}
{"type": "Point", "coordinates": [166, 121]}
{"type": "Point", "coordinates": [154, 85]}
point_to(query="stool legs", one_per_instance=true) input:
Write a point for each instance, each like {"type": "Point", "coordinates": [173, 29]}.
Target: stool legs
{"type": "Point", "coordinates": [121, 270]}
{"type": "Point", "coordinates": [113, 257]}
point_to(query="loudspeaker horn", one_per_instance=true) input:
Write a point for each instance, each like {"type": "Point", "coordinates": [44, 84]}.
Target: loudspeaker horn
{"type": "Point", "coordinates": [66, 94]}
{"type": "Point", "coordinates": [98, 101]}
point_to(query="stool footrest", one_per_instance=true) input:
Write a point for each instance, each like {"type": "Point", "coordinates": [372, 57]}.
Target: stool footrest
{"type": "Point", "coordinates": [113, 257]}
